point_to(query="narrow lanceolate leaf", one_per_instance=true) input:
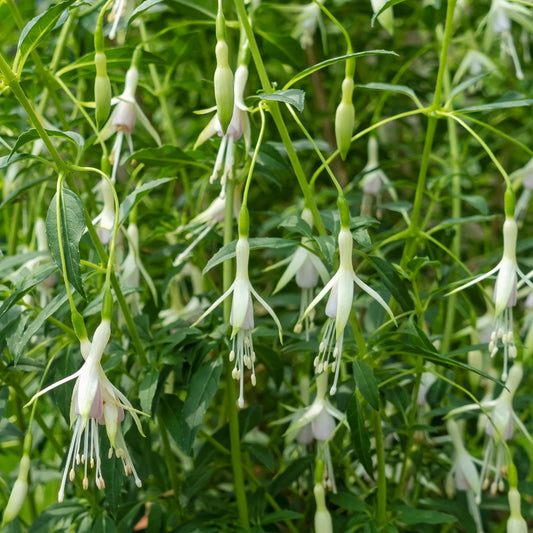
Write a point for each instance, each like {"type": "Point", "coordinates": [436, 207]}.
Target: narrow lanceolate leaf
{"type": "Point", "coordinates": [402, 89]}
{"type": "Point", "coordinates": [203, 387]}
{"type": "Point", "coordinates": [293, 97]}
{"type": "Point", "coordinates": [135, 197]}
{"type": "Point", "coordinates": [36, 324]}
{"type": "Point", "coordinates": [366, 383]}
{"type": "Point", "coordinates": [361, 442]}
{"type": "Point", "coordinates": [393, 282]}
{"type": "Point", "coordinates": [33, 135]}
{"type": "Point", "coordinates": [37, 29]}
{"type": "Point", "coordinates": [72, 228]}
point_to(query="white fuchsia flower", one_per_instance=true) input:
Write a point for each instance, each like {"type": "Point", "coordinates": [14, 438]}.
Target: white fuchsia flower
{"type": "Point", "coordinates": [338, 307]}
{"type": "Point", "coordinates": [132, 268]}
{"type": "Point", "coordinates": [104, 222]}
{"type": "Point", "coordinates": [305, 267]}
{"type": "Point", "coordinates": [123, 118]}
{"type": "Point", "coordinates": [465, 474]}
{"type": "Point", "coordinates": [505, 292]}
{"type": "Point", "coordinates": [501, 13]}
{"type": "Point", "coordinates": [239, 126]}
{"type": "Point", "coordinates": [317, 421]}
{"type": "Point", "coordinates": [200, 226]}
{"type": "Point", "coordinates": [242, 317]}
{"type": "Point", "coordinates": [95, 401]}
{"type": "Point", "coordinates": [117, 11]}
{"type": "Point", "coordinates": [500, 425]}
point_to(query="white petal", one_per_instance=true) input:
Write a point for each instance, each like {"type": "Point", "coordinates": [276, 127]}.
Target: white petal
{"type": "Point", "coordinates": [371, 292]}
{"type": "Point", "coordinates": [270, 312]}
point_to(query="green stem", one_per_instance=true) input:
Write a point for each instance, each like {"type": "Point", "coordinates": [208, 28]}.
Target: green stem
{"type": "Point", "coordinates": [163, 103]}
{"type": "Point", "coordinates": [307, 190]}
{"type": "Point", "coordinates": [382, 478]}
{"type": "Point", "coordinates": [233, 416]}
{"type": "Point", "coordinates": [430, 135]}
{"type": "Point", "coordinates": [456, 214]}
{"type": "Point", "coordinates": [23, 100]}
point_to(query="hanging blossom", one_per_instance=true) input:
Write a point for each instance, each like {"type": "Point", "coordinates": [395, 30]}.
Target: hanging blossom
{"type": "Point", "coordinates": [123, 118]}
{"type": "Point", "coordinates": [464, 474]}
{"type": "Point", "coordinates": [104, 222]}
{"type": "Point", "coordinates": [242, 317]}
{"type": "Point", "coordinates": [239, 126]}
{"type": "Point", "coordinates": [504, 297]}
{"type": "Point", "coordinates": [525, 175]}
{"type": "Point", "coordinates": [95, 401]}
{"type": "Point", "coordinates": [338, 308]}
{"type": "Point", "coordinates": [198, 228]}
{"type": "Point", "coordinates": [132, 268]}
{"type": "Point", "coordinates": [117, 11]}
{"type": "Point", "coordinates": [305, 267]}
{"type": "Point", "coordinates": [499, 428]}
{"type": "Point", "coordinates": [317, 422]}
{"type": "Point", "coordinates": [501, 13]}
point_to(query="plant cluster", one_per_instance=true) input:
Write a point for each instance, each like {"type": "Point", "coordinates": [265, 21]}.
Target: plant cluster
{"type": "Point", "coordinates": [279, 317]}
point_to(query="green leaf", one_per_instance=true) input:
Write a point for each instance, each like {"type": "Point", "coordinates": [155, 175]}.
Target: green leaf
{"type": "Point", "coordinates": [33, 135]}
{"type": "Point", "coordinates": [104, 524]}
{"type": "Point", "coordinates": [367, 383]}
{"type": "Point", "coordinates": [22, 189]}
{"type": "Point", "coordinates": [448, 222]}
{"type": "Point", "coordinates": [147, 4]}
{"type": "Point", "coordinates": [34, 278]}
{"type": "Point", "coordinates": [411, 516]}
{"type": "Point", "coordinates": [163, 156]}
{"type": "Point", "coordinates": [72, 228]}
{"type": "Point", "coordinates": [384, 7]}
{"type": "Point", "coordinates": [37, 29]}
{"type": "Point", "coordinates": [39, 320]}
{"type": "Point", "coordinates": [261, 454]}
{"type": "Point", "coordinates": [402, 89]}
{"type": "Point", "coordinates": [288, 476]}
{"type": "Point", "coordinates": [135, 197]}
{"type": "Point", "coordinates": [228, 251]}
{"type": "Point", "coordinates": [332, 61]}
{"type": "Point", "coordinates": [393, 282]}
{"type": "Point", "coordinates": [361, 442]}
{"type": "Point", "coordinates": [4, 395]}
{"type": "Point", "coordinates": [147, 390]}
{"type": "Point", "coordinates": [503, 103]}
{"type": "Point", "coordinates": [202, 388]}
{"type": "Point", "coordinates": [280, 516]}
{"type": "Point", "coordinates": [294, 97]}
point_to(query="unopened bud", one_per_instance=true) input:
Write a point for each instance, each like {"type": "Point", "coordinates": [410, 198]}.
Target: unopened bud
{"type": "Point", "coordinates": [224, 93]}
{"type": "Point", "coordinates": [18, 493]}
{"type": "Point", "coordinates": [102, 89]}
{"type": "Point", "coordinates": [345, 118]}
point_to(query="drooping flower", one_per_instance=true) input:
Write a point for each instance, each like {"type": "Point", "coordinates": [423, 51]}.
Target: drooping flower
{"type": "Point", "coordinates": [500, 426]}
{"type": "Point", "coordinates": [338, 307]}
{"type": "Point", "coordinates": [305, 267]}
{"type": "Point", "coordinates": [132, 268]}
{"type": "Point", "coordinates": [123, 118]}
{"type": "Point", "coordinates": [501, 13]}
{"type": "Point", "coordinates": [525, 176]}
{"type": "Point", "coordinates": [105, 220]}
{"type": "Point", "coordinates": [317, 422]}
{"type": "Point", "coordinates": [464, 473]}
{"type": "Point", "coordinates": [95, 401]}
{"type": "Point", "coordinates": [238, 127]}
{"type": "Point", "coordinates": [200, 226]}
{"type": "Point", "coordinates": [505, 292]}
{"type": "Point", "coordinates": [242, 317]}
{"type": "Point", "coordinates": [117, 11]}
